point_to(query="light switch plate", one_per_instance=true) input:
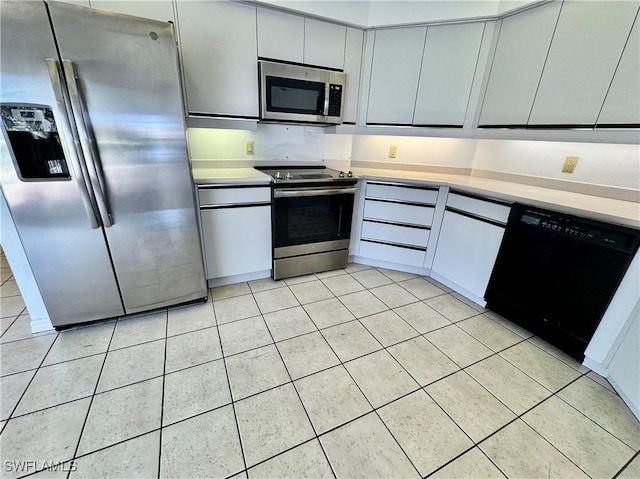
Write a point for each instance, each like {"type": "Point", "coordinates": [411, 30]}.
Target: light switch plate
{"type": "Point", "coordinates": [393, 151]}
{"type": "Point", "coordinates": [249, 147]}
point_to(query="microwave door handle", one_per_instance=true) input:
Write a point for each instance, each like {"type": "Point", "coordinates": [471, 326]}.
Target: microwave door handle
{"type": "Point", "coordinates": [88, 143]}
{"type": "Point", "coordinates": [327, 89]}
{"type": "Point", "coordinates": [73, 154]}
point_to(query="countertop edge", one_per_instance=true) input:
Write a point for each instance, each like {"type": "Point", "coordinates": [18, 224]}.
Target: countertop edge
{"type": "Point", "coordinates": [532, 195]}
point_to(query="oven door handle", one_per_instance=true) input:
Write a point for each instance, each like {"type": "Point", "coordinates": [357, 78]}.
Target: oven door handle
{"type": "Point", "coordinates": [296, 192]}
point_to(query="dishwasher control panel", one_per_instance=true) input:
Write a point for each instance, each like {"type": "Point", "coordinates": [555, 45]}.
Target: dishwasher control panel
{"type": "Point", "coordinates": [575, 227]}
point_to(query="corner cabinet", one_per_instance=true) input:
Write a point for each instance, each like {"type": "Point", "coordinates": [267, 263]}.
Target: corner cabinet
{"type": "Point", "coordinates": [236, 232]}
{"type": "Point", "coordinates": [397, 56]}
{"type": "Point", "coordinates": [521, 51]}
{"type": "Point", "coordinates": [397, 221]}
{"type": "Point", "coordinates": [448, 68]}
{"type": "Point", "coordinates": [422, 76]}
{"type": "Point", "coordinates": [218, 44]}
{"type": "Point", "coordinates": [585, 51]}
{"type": "Point", "coordinates": [467, 248]}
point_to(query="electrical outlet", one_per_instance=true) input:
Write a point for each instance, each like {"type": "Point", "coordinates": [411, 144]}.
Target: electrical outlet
{"type": "Point", "coordinates": [570, 163]}
{"type": "Point", "coordinates": [249, 147]}
{"type": "Point", "coordinates": [393, 151]}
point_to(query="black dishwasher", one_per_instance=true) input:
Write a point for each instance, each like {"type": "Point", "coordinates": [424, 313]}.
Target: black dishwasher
{"type": "Point", "coordinates": [556, 274]}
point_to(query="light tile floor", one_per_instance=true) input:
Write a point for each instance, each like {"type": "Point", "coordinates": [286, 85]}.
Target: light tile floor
{"type": "Point", "coordinates": [361, 372]}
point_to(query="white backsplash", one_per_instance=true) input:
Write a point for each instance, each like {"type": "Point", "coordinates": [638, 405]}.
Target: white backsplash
{"type": "Point", "coordinates": [281, 143]}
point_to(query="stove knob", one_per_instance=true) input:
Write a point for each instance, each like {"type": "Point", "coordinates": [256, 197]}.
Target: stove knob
{"type": "Point", "coordinates": [341, 174]}
{"type": "Point", "coordinates": [277, 176]}
{"type": "Point", "coordinates": [350, 174]}
{"type": "Point", "coordinates": [288, 176]}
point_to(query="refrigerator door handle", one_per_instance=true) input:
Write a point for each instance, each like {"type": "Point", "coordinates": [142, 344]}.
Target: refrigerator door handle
{"type": "Point", "coordinates": [65, 131]}
{"type": "Point", "coordinates": [88, 143]}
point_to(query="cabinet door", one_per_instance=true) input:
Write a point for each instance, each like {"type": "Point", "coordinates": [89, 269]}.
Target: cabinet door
{"type": "Point", "coordinates": [352, 66]}
{"type": "Point", "coordinates": [522, 48]}
{"type": "Point", "coordinates": [236, 240]}
{"type": "Point", "coordinates": [584, 53]}
{"type": "Point", "coordinates": [219, 57]}
{"type": "Point", "coordinates": [446, 77]}
{"type": "Point", "coordinates": [280, 35]}
{"type": "Point", "coordinates": [466, 252]}
{"type": "Point", "coordinates": [397, 55]}
{"type": "Point", "coordinates": [161, 10]}
{"type": "Point", "coordinates": [324, 43]}
{"type": "Point", "coordinates": [622, 105]}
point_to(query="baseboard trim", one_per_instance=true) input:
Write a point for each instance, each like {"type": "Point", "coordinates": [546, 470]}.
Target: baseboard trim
{"type": "Point", "coordinates": [40, 325]}
{"type": "Point", "coordinates": [238, 278]}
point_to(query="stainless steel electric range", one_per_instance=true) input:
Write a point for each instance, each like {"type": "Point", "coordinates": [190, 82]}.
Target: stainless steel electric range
{"type": "Point", "coordinates": [311, 222]}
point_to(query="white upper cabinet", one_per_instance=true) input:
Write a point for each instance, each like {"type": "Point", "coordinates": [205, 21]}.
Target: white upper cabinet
{"type": "Point", "coordinates": [446, 77]}
{"type": "Point", "coordinates": [280, 35]}
{"type": "Point", "coordinates": [161, 10]}
{"type": "Point", "coordinates": [219, 57]}
{"type": "Point", "coordinates": [397, 55]}
{"type": "Point", "coordinates": [324, 43]}
{"type": "Point", "coordinates": [352, 67]}
{"type": "Point", "coordinates": [519, 58]}
{"type": "Point", "coordinates": [284, 36]}
{"type": "Point", "coordinates": [622, 105]}
{"type": "Point", "coordinates": [584, 53]}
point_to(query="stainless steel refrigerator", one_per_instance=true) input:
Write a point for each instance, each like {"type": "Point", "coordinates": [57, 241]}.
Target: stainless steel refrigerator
{"type": "Point", "coordinates": [93, 158]}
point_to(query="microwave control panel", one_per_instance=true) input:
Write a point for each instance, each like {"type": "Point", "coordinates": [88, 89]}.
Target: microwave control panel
{"type": "Point", "coordinates": [335, 99]}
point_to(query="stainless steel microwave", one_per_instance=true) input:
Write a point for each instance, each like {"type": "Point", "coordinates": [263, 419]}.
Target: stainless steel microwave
{"type": "Point", "coordinates": [300, 94]}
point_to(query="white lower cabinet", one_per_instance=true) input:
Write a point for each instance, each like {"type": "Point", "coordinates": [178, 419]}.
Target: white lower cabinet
{"type": "Point", "coordinates": [466, 251]}
{"type": "Point", "coordinates": [396, 222]}
{"type": "Point", "coordinates": [236, 230]}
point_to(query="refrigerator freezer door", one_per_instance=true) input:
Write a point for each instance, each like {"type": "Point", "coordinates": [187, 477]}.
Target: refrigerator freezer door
{"type": "Point", "coordinates": [127, 78]}
{"type": "Point", "coordinates": [69, 258]}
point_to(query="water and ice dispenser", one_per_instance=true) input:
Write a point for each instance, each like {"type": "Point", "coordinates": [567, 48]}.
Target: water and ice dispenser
{"type": "Point", "coordinates": [35, 142]}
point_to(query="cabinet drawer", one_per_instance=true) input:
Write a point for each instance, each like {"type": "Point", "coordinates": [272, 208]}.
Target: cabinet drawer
{"type": "Point", "coordinates": [227, 196]}
{"type": "Point", "coordinates": [400, 193]}
{"type": "Point", "coordinates": [395, 233]}
{"type": "Point", "coordinates": [398, 212]}
{"type": "Point", "coordinates": [479, 207]}
{"type": "Point", "coordinates": [392, 254]}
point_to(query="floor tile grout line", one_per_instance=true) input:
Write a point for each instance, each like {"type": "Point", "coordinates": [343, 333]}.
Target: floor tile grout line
{"type": "Point", "coordinates": [630, 446]}
{"type": "Point", "coordinates": [372, 406]}
{"type": "Point", "coordinates": [233, 407]}
{"type": "Point", "coordinates": [164, 375]}
{"type": "Point", "coordinates": [86, 417]}
{"type": "Point", "coordinates": [313, 428]}
{"type": "Point", "coordinates": [624, 467]}
{"type": "Point", "coordinates": [27, 387]}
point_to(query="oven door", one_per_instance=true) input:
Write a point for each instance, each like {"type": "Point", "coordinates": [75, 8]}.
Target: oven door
{"type": "Point", "coordinates": [310, 220]}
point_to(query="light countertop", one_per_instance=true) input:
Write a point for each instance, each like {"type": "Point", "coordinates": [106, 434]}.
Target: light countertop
{"type": "Point", "coordinates": [605, 209]}
{"type": "Point", "coordinates": [240, 176]}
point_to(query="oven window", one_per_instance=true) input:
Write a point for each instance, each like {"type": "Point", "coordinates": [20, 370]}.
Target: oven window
{"type": "Point", "coordinates": [312, 219]}
{"type": "Point", "coordinates": [295, 96]}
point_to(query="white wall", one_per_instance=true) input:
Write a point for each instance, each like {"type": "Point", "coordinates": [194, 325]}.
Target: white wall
{"type": "Point", "coordinates": [374, 13]}
{"type": "Point", "coordinates": [451, 152]}
{"type": "Point", "coordinates": [355, 12]}
{"type": "Point", "coordinates": [599, 163]}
